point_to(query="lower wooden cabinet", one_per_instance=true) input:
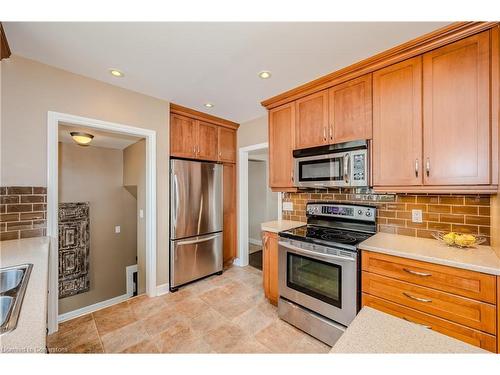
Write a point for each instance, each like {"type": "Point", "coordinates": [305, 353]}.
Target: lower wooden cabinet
{"type": "Point", "coordinates": [270, 266]}
{"type": "Point", "coordinates": [229, 213]}
{"type": "Point", "coordinates": [458, 303]}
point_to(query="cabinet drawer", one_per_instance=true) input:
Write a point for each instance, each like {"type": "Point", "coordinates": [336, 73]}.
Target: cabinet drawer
{"type": "Point", "coordinates": [464, 283]}
{"type": "Point", "coordinates": [471, 313]}
{"type": "Point", "coordinates": [460, 332]}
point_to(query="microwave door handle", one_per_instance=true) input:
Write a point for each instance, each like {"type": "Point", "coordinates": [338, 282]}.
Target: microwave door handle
{"type": "Point", "coordinates": [347, 165]}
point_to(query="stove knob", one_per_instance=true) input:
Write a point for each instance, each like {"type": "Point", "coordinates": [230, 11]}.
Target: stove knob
{"type": "Point", "coordinates": [368, 213]}
{"type": "Point", "coordinates": [360, 212]}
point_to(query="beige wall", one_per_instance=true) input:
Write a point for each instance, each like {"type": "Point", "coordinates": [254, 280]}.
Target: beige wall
{"type": "Point", "coordinates": [257, 188]}
{"type": "Point", "coordinates": [31, 89]}
{"type": "Point", "coordinates": [253, 132]}
{"type": "Point", "coordinates": [95, 175]}
{"type": "Point", "coordinates": [134, 178]}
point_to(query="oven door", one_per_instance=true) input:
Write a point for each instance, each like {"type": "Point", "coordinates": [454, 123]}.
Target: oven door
{"type": "Point", "coordinates": [320, 279]}
{"type": "Point", "coordinates": [322, 171]}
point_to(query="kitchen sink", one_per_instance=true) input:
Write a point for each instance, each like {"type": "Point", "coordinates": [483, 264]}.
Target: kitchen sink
{"type": "Point", "coordinates": [13, 283]}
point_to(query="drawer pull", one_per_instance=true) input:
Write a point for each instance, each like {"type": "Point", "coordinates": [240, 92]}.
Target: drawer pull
{"type": "Point", "coordinates": [423, 274]}
{"type": "Point", "coordinates": [416, 298]}
{"type": "Point", "coordinates": [419, 324]}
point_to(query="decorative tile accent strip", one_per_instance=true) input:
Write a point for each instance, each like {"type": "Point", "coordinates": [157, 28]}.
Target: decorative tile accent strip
{"type": "Point", "coordinates": [460, 213]}
{"type": "Point", "coordinates": [22, 212]}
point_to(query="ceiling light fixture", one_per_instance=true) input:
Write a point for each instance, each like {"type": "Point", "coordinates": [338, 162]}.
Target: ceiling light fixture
{"type": "Point", "coordinates": [208, 105]}
{"type": "Point", "coordinates": [265, 74]}
{"type": "Point", "coordinates": [83, 139]}
{"type": "Point", "coordinates": [116, 73]}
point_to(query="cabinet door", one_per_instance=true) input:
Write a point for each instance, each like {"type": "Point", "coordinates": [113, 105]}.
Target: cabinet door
{"type": "Point", "coordinates": [229, 213]}
{"type": "Point", "coordinates": [350, 111]}
{"type": "Point", "coordinates": [183, 136]}
{"type": "Point", "coordinates": [227, 145]}
{"type": "Point", "coordinates": [397, 124]}
{"type": "Point", "coordinates": [281, 144]}
{"type": "Point", "coordinates": [311, 126]}
{"type": "Point", "coordinates": [456, 113]}
{"type": "Point", "coordinates": [208, 141]}
{"type": "Point", "coordinates": [270, 267]}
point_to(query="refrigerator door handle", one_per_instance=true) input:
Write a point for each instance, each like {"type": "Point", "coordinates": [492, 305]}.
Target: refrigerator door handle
{"type": "Point", "coordinates": [176, 200]}
{"type": "Point", "coordinates": [191, 242]}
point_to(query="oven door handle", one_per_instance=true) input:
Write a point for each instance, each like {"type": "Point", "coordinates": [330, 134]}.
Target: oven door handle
{"type": "Point", "coordinates": [329, 257]}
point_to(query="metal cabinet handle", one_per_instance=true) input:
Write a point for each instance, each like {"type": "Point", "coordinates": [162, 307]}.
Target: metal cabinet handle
{"type": "Point", "coordinates": [428, 167]}
{"type": "Point", "coordinates": [330, 131]}
{"type": "Point", "coordinates": [416, 167]}
{"type": "Point", "coordinates": [423, 274]}
{"type": "Point", "coordinates": [324, 134]}
{"type": "Point", "coordinates": [419, 324]}
{"type": "Point", "coordinates": [416, 298]}
{"type": "Point", "coordinates": [291, 175]}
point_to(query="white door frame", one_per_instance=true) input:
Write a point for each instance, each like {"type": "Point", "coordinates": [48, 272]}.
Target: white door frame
{"type": "Point", "coordinates": [242, 258]}
{"type": "Point", "coordinates": [53, 120]}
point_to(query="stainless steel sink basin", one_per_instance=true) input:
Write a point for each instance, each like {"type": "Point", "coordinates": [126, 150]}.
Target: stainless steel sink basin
{"type": "Point", "coordinates": [13, 283]}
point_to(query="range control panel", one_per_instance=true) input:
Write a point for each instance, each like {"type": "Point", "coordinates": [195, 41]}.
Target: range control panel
{"type": "Point", "coordinates": [348, 211]}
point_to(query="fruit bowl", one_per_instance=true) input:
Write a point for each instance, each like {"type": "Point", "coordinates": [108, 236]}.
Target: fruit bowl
{"type": "Point", "coordinates": [460, 240]}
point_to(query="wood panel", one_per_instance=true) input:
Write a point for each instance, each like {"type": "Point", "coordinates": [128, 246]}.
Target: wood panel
{"type": "Point", "coordinates": [460, 332]}
{"type": "Point", "coordinates": [229, 213]}
{"type": "Point", "coordinates": [464, 283]}
{"type": "Point", "coordinates": [197, 115]}
{"type": "Point", "coordinates": [350, 110]}
{"type": "Point", "coordinates": [270, 266]}
{"type": "Point", "coordinates": [311, 120]}
{"type": "Point", "coordinates": [456, 81]}
{"type": "Point", "coordinates": [498, 314]}
{"type": "Point", "coordinates": [281, 145]}
{"type": "Point", "coordinates": [4, 44]}
{"type": "Point", "coordinates": [227, 145]}
{"type": "Point", "coordinates": [208, 143]}
{"type": "Point", "coordinates": [471, 313]}
{"type": "Point", "coordinates": [397, 124]}
{"type": "Point", "coordinates": [183, 136]}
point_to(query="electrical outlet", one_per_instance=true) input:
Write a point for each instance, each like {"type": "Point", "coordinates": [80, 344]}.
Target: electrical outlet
{"type": "Point", "coordinates": [416, 216]}
{"type": "Point", "coordinates": [118, 229]}
{"type": "Point", "coordinates": [141, 213]}
{"type": "Point", "coordinates": [287, 206]}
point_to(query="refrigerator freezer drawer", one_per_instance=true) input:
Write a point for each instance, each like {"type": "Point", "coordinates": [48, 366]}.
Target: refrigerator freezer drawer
{"type": "Point", "coordinates": [195, 257]}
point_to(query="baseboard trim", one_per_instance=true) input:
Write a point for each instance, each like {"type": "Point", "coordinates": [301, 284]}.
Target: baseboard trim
{"type": "Point", "coordinates": [92, 308]}
{"type": "Point", "coordinates": [162, 289]}
{"type": "Point", "coordinates": [254, 241]}
{"type": "Point", "coordinates": [237, 262]}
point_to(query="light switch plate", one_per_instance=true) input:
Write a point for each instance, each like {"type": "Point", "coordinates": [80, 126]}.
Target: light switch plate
{"type": "Point", "coordinates": [287, 206]}
{"type": "Point", "coordinates": [416, 216]}
{"type": "Point", "coordinates": [118, 229]}
{"type": "Point", "coordinates": [141, 213]}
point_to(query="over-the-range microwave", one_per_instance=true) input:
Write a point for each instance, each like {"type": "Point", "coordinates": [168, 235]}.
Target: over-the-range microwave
{"type": "Point", "coordinates": [339, 165]}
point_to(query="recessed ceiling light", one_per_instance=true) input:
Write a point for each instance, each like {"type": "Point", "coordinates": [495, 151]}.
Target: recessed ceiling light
{"type": "Point", "coordinates": [116, 73]}
{"type": "Point", "coordinates": [265, 74]}
{"type": "Point", "coordinates": [208, 105]}
{"type": "Point", "coordinates": [83, 139]}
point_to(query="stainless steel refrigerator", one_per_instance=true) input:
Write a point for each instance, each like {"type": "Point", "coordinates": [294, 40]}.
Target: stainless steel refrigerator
{"type": "Point", "coordinates": [195, 220]}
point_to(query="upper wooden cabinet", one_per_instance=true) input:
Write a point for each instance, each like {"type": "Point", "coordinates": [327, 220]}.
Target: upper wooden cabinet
{"type": "Point", "coordinates": [197, 135]}
{"type": "Point", "coordinates": [350, 110]}
{"type": "Point", "coordinates": [456, 80]}
{"type": "Point", "coordinates": [227, 145]}
{"type": "Point", "coordinates": [281, 145]}
{"type": "Point", "coordinates": [311, 120]}
{"type": "Point", "coordinates": [397, 124]}
{"type": "Point", "coordinates": [183, 136]}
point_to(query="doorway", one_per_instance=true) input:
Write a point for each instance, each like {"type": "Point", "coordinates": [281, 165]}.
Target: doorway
{"type": "Point", "coordinates": [257, 203]}
{"type": "Point", "coordinates": [58, 121]}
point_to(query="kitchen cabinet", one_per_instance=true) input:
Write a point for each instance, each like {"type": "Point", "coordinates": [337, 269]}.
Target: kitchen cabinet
{"type": "Point", "coordinates": [456, 107]}
{"type": "Point", "coordinates": [270, 266]}
{"type": "Point", "coordinates": [397, 124]}
{"type": "Point", "coordinates": [281, 145]}
{"type": "Point", "coordinates": [311, 120]}
{"type": "Point", "coordinates": [229, 213]}
{"type": "Point", "coordinates": [456, 302]}
{"type": "Point", "coordinates": [227, 145]}
{"type": "Point", "coordinates": [208, 135]}
{"type": "Point", "coordinates": [350, 110]}
{"type": "Point", "coordinates": [183, 136]}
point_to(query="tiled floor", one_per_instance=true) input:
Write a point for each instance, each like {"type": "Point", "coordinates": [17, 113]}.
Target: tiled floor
{"type": "Point", "coordinates": [221, 314]}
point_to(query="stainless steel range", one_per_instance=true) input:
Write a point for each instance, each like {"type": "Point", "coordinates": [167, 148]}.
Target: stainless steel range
{"type": "Point", "coordinates": [319, 268]}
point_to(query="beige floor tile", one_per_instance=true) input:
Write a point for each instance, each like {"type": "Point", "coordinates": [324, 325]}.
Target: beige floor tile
{"type": "Point", "coordinates": [225, 338]}
{"type": "Point", "coordinates": [250, 346]}
{"type": "Point", "coordinates": [113, 318]}
{"type": "Point", "coordinates": [253, 320]}
{"type": "Point", "coordinates": [208, 320]}
{"type": "Point", "coordinates": [180, 295]}
{"type": "Point", "coordinates": [73, 334]}
{"type": "Point", "coordinates": [144, 306]}
{"type": "Point", "coordinates": [162, 320]}
{"type": "Point", "coordinates": [280, 337]}
{"type": "Point", "coordinates": [120, 339]}
{"type": "Point", "coordinates": [191, 307]}
{"type": "Point", "coordinates": [90, 347]}
{"type": "Point", "coordinates": [146, 346]}
{"type": "Point", "coordinates": [179, 339]}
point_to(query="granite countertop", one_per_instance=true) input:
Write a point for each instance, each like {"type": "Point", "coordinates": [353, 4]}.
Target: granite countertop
{"type": "Point", "coordinates": [277, 226]}
{"type": "Point", "coordinates": [373, 331]}
{"type": "Point", "coordinates": [30, 333]}
{"type": "Point", "coordinates": [481, 258]}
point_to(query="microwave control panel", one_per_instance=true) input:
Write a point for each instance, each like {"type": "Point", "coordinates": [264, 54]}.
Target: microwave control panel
{"type": "Point", "coordinates": [358, 167]}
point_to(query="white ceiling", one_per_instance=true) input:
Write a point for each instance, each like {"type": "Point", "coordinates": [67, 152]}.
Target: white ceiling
{"type": "Point", "coordinates": [101, 138]}
{"type": "Point", "coordinates": [194, 63]}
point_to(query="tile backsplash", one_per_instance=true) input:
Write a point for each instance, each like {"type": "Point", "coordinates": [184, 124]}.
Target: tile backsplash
{"type": "Point", "coordinates": [460, 213]}
{"type": "Point", "coordinates": [23, 211]}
